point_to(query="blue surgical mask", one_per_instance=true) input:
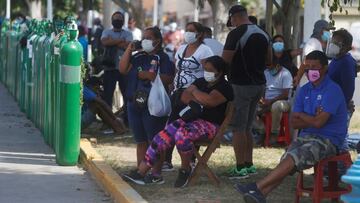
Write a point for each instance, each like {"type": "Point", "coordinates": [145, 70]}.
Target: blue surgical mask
{"type": "Point", "coordinates": [278, 46]}
{"type": "Point", "coordinates": [274, 71]}
{"type": "Point", "coordinates": [325, 36]}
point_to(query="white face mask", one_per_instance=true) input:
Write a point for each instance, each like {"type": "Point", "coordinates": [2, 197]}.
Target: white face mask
{"type": "Point", "coordinates": [147, 45]}
{"type": "Point", "coordinates": [209, 76]}
{"type": "Point", "coordinates": [332, 50]}
{"type": "Point", "coordinates": [190, 37]}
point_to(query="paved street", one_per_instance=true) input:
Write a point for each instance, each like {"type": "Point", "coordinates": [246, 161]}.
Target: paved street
{"type": "Point", "coordinates": [28, 172]}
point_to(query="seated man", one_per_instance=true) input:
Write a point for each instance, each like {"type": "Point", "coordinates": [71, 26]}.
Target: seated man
{"type": "Point", "coordinates": [278, 85]}
{"type": "Point", "coordinates": [320, 111]}
{"type": "Point", "coordinates": [93, 105]}
{"type": "Point", "coordinates": [212, 92]}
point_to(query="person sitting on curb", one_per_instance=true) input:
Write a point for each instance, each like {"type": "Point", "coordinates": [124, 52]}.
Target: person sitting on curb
{"type": "Point", "coordinates": [278, 86]}
{"type": "Point", "coordinates": [94, 105]}
{"type": "Point", "coordinates": [320, 111]}
{"type": "Point", "coordinates": [207, 99]}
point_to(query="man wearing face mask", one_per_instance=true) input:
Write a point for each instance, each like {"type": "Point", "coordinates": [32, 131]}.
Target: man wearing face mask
{"type": "Point", "coordinates": [342, 68]}
{"type": "Point", "coordinates": [320, 111]}
{"type": "Point", "coordinates": [319, 38]}
{"type": "Point", "coordinates": [318, 41]}
{"type": "Point", "coordinates": [275, 100]}
{"type": "Point", "coordinates": [115, 41]}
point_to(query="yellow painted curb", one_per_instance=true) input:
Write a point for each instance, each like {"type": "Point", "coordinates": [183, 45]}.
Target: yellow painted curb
{"type": "Point", "coordinates": [119, 190]}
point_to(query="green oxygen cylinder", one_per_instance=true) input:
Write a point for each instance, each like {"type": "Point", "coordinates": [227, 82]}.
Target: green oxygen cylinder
{"type": "Point", "coordinates": [3, 49]}
{"type": "Point", "coordinates": [60, 40]}
{"type": "Point", "coordinates": [69, 137]}
{"type": "Point", "coordinates": [47, 84]}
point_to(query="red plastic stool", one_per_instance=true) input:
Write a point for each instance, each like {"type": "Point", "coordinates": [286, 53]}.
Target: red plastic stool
{"type": "Point", "coordinates": [284, 132]}
{"type": "Point", "coordinates": [319, 191]}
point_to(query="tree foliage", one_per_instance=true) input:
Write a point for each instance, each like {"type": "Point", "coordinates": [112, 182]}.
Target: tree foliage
{"type": "Point", "coordinates": [337, 5]}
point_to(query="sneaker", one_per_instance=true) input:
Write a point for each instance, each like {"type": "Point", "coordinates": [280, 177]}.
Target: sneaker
{"type": "Point", "coordinates": [235, 174]}
{"type": "Point", "coordinates": [254, 196]}
{"type": "Point", "coordinates": [166, 167]}
{"type": "Point", "coordinates": [251, 170]}
{"type": "Point", "coordinates": [243, 189]}
{"type": "Point", "coordinates": [182, 178]}
{"type": "Point", "coordinates": [251, 193]}
{"type": "Point", "coordinates": [108, 131]}
{"type": "Point", "coordinates": [151, 179]}
{"type": "Point", "coordinates": [135, 177]}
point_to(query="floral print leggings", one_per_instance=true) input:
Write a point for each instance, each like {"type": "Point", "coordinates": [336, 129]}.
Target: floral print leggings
{"type": "Point", "coordinates": [182, 135]}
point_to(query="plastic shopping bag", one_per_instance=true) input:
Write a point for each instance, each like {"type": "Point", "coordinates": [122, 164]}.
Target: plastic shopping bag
{"type": "Point", "coordinates": [159, 102]}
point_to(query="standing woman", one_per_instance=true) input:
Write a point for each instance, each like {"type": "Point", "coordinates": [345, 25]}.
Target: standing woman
{"type": "Point", "coordinates": [188, 60]}
{"type": "Point", "coordinates": [141, 69]}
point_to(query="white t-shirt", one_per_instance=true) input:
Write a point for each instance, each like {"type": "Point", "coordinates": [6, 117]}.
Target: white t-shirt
{"type": "Point", "coordinates": [276, 84]}
{"type": "Point", "coordinates": [215, 46]}
{"type": "Point", "coordinates": [190, 68]}
{"type": "Point", "coordinates": [311, 45]}
{"type": "Point", "coordinates": [137, 34]}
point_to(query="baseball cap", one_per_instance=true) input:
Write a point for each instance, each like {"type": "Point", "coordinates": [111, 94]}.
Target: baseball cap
{"type": "Point", "coordinates": [233, 10]}
{"type": "Point", "coordinates": [323, 25]}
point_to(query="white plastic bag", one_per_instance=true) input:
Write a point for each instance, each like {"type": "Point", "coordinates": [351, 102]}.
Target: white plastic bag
{"type": "Point", "coordinates": [159, 102]}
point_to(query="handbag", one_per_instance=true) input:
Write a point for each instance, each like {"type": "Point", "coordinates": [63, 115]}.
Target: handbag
{"type": "Point", "coordinates": [191, 112]}
{"type": "Point", "coordinates": [140, 98]}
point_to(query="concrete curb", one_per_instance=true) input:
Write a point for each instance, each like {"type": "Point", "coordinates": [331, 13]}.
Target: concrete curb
{"type": "Point", "coordinates": [119, 190]}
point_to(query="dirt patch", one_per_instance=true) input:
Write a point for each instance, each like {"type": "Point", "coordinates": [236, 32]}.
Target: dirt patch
{"type": "Point", "coordinates": [120, 153]}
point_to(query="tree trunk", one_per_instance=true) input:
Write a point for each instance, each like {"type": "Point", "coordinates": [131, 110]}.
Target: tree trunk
{"type": "Point", "coordinates": [268, 17]}
{"type": "Point", "coordinates": [291, 23]}
{"type": "Point", "coordinates": [136, 11]}
{"type": "Point", "coordinates": [35, 8]}
{"type": "Point", "coordinates": [219, 10]}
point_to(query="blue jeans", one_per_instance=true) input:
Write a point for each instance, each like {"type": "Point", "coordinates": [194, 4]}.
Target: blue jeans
{"type": "Point", "coordinates": [87, 117]}
{"type": "Point", "coordinates": [143, 125]}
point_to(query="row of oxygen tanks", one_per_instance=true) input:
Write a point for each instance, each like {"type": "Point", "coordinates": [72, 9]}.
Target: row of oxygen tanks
{"type": "Point", "coordinates": [40, 65]}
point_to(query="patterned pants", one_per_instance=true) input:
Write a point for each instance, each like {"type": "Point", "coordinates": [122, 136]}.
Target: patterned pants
{"type": "Point", "coordinates": [180, 134]}
{"type": "Point", "coordinates": [307, 150]}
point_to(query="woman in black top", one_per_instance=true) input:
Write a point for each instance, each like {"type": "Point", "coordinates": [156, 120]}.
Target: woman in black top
{"type": "Point", "coordinates": [284, 57]}
{"type": "Point", "coordinates": [206, 101]}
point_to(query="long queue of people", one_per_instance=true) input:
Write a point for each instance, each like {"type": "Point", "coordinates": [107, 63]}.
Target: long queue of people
{"type": "Point", "coordinates": [255, 72]}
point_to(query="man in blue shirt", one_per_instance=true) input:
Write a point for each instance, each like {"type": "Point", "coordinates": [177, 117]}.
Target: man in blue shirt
{"type": "Point", "coordinates": [320, 111]}
{"type": "Point", "coordinates": [94, 105]}
{"type": "Point", "coordinates": [342, 68]}
{"type": "Point", "coordinates": [83, 41]}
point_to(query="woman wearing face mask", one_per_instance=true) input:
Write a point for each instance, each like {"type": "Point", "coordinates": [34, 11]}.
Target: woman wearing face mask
{"type": "Point", "coordinates": [210, 93]}
{"type": "Point", "coordinates": [141, 69]}
{"type": "Point", "coordinates": [189, 68]}
{"type": "Point", "coordinates": [284, 57]}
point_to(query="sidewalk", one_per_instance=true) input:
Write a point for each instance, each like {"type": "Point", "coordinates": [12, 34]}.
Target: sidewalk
{"type": "Point", "coordinates": [28, 172]}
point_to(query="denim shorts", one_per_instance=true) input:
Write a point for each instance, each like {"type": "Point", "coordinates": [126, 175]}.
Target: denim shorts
{"type": "Point", "coordinates": [143, 125]}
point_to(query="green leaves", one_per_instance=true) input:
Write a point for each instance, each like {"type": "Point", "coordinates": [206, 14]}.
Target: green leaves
{"type": "Point", "coordinates": [337, 5]}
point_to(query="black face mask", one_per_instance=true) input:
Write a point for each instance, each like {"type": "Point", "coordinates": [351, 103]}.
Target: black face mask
{"type": "Point", "coordinates": [117, 23]}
